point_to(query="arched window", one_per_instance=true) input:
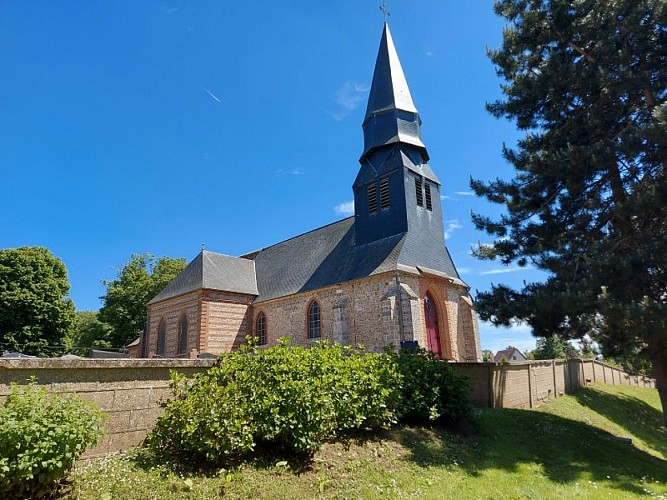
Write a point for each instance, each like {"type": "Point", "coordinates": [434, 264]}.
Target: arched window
{"type": "Point", "coordinates": [314, 331]}
{"type": "Point", "coordinates": [260, 329]}
{"type": "Point", "coordinates": [183, 337]}
{"type": "Point", "coordinates": [161, 335]}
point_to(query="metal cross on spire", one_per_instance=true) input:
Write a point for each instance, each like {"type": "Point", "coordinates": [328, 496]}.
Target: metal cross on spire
{"type": "Point", "coordinates": [385, 10]}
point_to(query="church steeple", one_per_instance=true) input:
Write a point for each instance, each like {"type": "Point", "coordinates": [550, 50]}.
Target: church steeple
{"type": "Point", "coordinates": [391, 115]}
{"type": "Point", "coordinates": [396, 193]}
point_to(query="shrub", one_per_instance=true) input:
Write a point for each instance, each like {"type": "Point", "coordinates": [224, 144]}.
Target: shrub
{"type": "Point", "coordinates": [431, 390]}
{"type": "Point", "coordinates": [41, 437]}
{"type": "Point", "coordinates": [292, 398]}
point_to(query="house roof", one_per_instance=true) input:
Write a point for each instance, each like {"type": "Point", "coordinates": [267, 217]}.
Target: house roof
{"type": "Point", "coordinates": [507, 354]}
{"type": "Point", "coordinates": [212, 271]}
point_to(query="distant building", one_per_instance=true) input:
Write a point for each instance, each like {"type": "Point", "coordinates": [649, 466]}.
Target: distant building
{"type": "Point", "coordinates": [383, 276]}
{"type": "Point", "coordinates": [511, 354]}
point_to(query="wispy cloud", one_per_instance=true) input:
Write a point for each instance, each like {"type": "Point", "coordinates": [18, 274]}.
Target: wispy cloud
{"type": "Point", "coordinates": [464, 193]}
{"type": "Point", "coordinates": [213, 96]}
{"type": "Point", "coordinates": [172, 10]}
{"type": "Point", "coordinates": [503, 270]}
{"type": "Point", "coordinates": [446, 197]}
{"type": "Point", "coordinates": [348, 96]}
{"type": "Point", "coordinates": [345, 208]}
{"type": "Point", "coordinates": [451, 226]}
{"type": "Point", "coordinates": [464, 270]}
{"type": "Point", "coordinates": [281, 171]}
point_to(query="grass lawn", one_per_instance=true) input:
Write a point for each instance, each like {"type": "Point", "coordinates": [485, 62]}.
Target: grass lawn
{"type": "Point", "coordinates": [569, 447]}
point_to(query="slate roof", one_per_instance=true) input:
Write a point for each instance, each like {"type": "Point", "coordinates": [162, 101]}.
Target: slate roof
{"type": "Point", "coordinates": [323, 257]}
{"type": "Point", "coordinates": [328, 256]}
{"type": "Point", "coordinates": [507, 354]}
{"type": "Point", "coordinates": [212, 271]}
{"type": "Point", "coordinates": [391, 115]}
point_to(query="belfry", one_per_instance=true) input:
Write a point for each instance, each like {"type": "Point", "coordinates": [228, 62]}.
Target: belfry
{"type": "Point", "coordinates": [382, 277]}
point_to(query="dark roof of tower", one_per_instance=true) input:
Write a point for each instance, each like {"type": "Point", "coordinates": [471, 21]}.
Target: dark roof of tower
{"type": "Point", "coordinates": [391, 115]}
{"type": "Point", "coordinates": [213, 271]}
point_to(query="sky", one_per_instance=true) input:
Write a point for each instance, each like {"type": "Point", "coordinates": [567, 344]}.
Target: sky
{"type": "Point", "coordinates": [130, 127]}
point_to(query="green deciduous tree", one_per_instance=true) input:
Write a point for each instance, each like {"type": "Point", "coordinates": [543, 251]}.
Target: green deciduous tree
{"type": "Point", "coordinates": [90, 333]}
{"type": "Point", "coordinates": [36, 317]}
{"type": "Point", "coordinates": [553, 347]}
{"type": "Point", "coordinates": [126, 297]}
{"type": "Point", "coordinates": [587, 81]}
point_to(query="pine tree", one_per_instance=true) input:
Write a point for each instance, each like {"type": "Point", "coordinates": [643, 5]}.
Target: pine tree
{"type": "Point", "coordinates": [587, 81]}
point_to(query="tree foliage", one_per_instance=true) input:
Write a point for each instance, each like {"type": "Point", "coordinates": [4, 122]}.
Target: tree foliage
{"type": "Point", "coordinates": [140, 279]}
{"type": "Point", "coordinates": [36, 316]}
{"type": "Point", "coordinates": [587, 81]}
{"type": "Point", "coordinates": [90, 333]}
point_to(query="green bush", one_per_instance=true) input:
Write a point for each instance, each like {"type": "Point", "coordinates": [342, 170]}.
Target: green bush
{"type": "Point", "coordinates": [41, 436]}
{"type": "Point", "coordinates": [431, 390]}
{"type": "Point", "coordinates": [292, 398]}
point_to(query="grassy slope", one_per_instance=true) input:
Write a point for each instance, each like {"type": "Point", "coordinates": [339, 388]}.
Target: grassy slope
{"type": "Point", "coordinates": [567, 448]}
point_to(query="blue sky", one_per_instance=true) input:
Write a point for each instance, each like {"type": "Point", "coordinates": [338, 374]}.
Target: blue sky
{"type": "Point", "coordinates": [130, 127]}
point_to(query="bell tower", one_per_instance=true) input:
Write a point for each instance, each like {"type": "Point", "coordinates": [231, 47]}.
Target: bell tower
{"type": "Point", "coordinates": [395, 191]}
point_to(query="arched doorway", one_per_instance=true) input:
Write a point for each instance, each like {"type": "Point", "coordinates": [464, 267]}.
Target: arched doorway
{"type": "Point", "coordinates": [432, 328]}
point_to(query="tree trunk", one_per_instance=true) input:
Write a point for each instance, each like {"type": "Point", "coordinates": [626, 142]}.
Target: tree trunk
{"type": "Point", "coordinates": [659, 360]}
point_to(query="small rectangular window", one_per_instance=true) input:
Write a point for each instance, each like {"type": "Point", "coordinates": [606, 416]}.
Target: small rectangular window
{"type": "Point", "coordinates": [372, 199]}
{"type": "Point", "coordinates": [427, 191]}
{"type": "Point", "coordinates": [418, 192]}
{"type": "Point", "coordinates": [384, 193]}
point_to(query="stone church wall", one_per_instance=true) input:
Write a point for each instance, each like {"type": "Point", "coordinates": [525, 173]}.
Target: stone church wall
{"type": "Point", "coordinates": [370, 312]}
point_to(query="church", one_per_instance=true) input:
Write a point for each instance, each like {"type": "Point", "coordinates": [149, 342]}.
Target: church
{"type": "Point", "coordinates": [382, 277]}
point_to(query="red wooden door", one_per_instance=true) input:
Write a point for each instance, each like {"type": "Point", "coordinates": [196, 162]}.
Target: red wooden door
{"type": "Point", "coordinates": [432, 330]}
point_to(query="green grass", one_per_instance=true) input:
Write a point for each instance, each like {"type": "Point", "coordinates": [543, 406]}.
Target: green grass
{"type": "Point", "coordinates": [566, 448]}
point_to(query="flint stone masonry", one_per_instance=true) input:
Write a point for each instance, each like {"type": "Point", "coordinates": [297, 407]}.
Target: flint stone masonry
{"type": "Point", "coordinates": [129, 391]}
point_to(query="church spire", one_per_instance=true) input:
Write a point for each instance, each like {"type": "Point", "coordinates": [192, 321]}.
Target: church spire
{"type": "Point", "coordinates": [391, 115]}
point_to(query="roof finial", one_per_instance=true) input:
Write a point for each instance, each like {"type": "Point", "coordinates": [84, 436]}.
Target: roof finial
{"type": "Point", "coordinates": [203, 247]}
{"type": "Point", "coordinates": [385, 10]}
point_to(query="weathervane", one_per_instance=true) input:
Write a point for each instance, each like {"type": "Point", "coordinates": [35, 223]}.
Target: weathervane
{"type": "Point", "coordinates": [385, 10]}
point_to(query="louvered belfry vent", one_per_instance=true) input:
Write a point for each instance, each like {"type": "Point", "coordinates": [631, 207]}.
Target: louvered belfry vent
{"type": "Point", "coordinates": [384, 193]}
{"type": "Point", "coordinates": [372, 199]}
{"type": "Point", "coordinates": [427, 190]}
{"type": "Point", "coordinates": [418, 192]}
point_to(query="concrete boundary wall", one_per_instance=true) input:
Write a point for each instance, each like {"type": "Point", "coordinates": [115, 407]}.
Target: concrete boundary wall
{"type": "Point", "coordinates": [527, 385]}
{"type": "Point", "coordinates": [129, 391]}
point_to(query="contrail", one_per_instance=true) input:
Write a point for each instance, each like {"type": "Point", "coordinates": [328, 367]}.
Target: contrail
{"type": "Point", "coordinates": [210, 93]}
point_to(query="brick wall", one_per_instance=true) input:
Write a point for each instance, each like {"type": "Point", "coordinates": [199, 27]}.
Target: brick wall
{"type": "Point", "coordinates": [217, 322]}
{"type": "Point", "coordinates": [171, 311]}
{"type": "Point", "coordinates": [529, 384]}
{"type": "Point", "coordinates": [128, 390]}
